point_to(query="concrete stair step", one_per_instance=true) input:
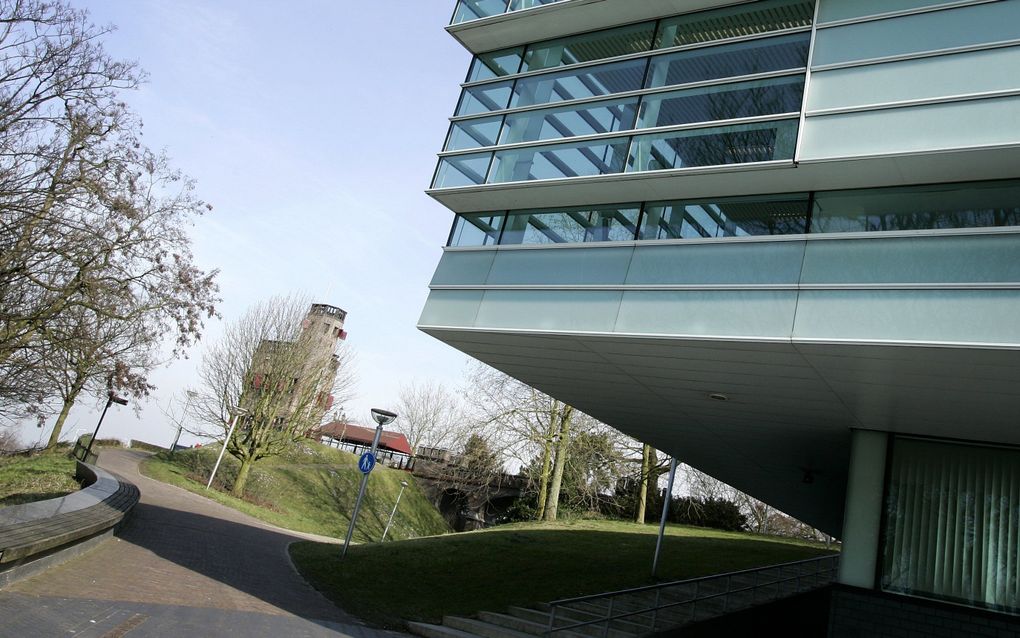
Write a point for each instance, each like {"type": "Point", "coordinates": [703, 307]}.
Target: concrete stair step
{"type": "Point", "coordinates": [482, 628]}
{"type": "Point", "coordinates": [514, 622]}
{"type": "Point", "coordinates": [567, 615]}
{"type": "Point", "coordinates": [426, 630]}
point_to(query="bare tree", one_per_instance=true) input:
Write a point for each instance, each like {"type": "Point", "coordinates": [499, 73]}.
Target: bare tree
{"type": "Point", "coordinates": [281, 370]}
{"type": "Point", "coordinates": [90, 219]}
{"type": "Point", "coordinates": [537, 430]}
{"type": "Point", "coordinates": [430, 416]}
{"type": "Point", "coordinates": [96, 355]}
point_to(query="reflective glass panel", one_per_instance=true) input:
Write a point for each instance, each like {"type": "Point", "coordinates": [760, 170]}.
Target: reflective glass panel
{"type": "Point", "coordinates": [462, 170]}
{"type": "Point", "coordinates": [733, 22]}
{"type": "Point", "coordinates": [729, 60]}
{"type": "Point", "coordinates": [588, 47]}
{"type": "Point", "coordinates": [568, 121]}
{"type": "Point", "coordinates": [951, 524]}
{"type": "Point", "coordinates": [476, 229]}
{"type": "Point", "coordinates": [592, 81]}
{"type": "Point", "coordinates": [722, 102]}
{"type": "Point", "coordinates": [487, 66]}
{"type": "Point", "coordinates": [474, 133]}
{"type": "Point", "coordinates": [484, 98]}
{"type": "Point", "coordinates": [560, 160]}
{"type": "Point", "coordinates": [573, 225]}
{"type": "Point", "coordinates": [474, 9]}
{"type": "Point", "coordinates": [727, 217]}
{"type": "Point", "coordinates": [737, 144]}
{"type": "Point", "coordinates": [918, 208]}
{"type": "Point", "coordinates": [517, 5]}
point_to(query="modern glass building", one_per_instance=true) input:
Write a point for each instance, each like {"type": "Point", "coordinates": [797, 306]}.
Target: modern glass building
{"type": "Point", "coordinates": [778, 239]}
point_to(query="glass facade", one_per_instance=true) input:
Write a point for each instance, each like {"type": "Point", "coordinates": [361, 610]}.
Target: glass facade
{"type": "Point", "coordinates": [952, 523]}
{"type": "Point", "coordinates": [681, 71]}
{"type": "Point", "coordinates": [477, 9]}
{"type": "Point", "coordinates": [939, 206]}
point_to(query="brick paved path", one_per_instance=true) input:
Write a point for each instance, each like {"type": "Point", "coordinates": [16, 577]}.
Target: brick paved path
{"type": "Point", "coordinates": [183, 560]}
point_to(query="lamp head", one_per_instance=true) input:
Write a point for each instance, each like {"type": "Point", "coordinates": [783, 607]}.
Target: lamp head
{"type": "Point", "coordinates": [383, 417]}
{"type": "Point", "coordinates": [116, 399]}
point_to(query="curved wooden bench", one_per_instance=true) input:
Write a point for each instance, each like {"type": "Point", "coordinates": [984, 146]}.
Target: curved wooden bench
{"type": "Point", "coordinates": [36, 530]}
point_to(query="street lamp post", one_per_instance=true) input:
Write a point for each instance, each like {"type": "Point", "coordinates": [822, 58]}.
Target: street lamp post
{"type": "Point", "coordinates": [665, 514]}
{"type": "Point", "coordinates": [403, 484]}
{"type": "Point", "coordinates": [238, 413]}
{"type": "Point", "coordinates": [111, 398]}
{"type": "Point", "coordinates": [180, 424]}
{"type": "Point", "coordinates": [382, 417]}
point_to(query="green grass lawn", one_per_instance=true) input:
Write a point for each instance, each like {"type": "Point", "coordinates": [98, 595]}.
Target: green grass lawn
{"type": "Point", "coordinates": [25, 479]}
{"type": "Point", "coordinates": [311, 489]}
{"type": "Point", "coordinates": [524, 564]}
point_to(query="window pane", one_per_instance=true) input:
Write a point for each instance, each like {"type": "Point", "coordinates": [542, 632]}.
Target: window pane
{"type": "Point", "coordinates": [487, 66]}
{"type": "Point", "coordinates": [476, 229]}
{"type": "Point", "coordinates": [745, 99]}
{"type": "Point", "coordinates": [484, 98]}
{"type": "Point", "coordinates": [462, 170]}
{"type": "Point", "coordinates": [729, 60]}
{"type": "Point", "coordinates": [636, 38]}
{"type": "Point", "coordinates": [517, 5]}
{"type": "Point", "coordinates": [952, 512]}
{"type": "Point", "coordinates": [728, 217]}
{"type": "Point", "coordinates": [474, 9]}
{"type": "Point", "coordinates": [918, 208]}
{"type": "Point", "coordinates": [474, 133]}
{"type": "Point", "coordinates": [571, 226]}
{"type": "Point", "coordinates": [581, 83]}
{"type": "Point", "coordinates": [738, 144]}
{"type": "Point", "coordinates": [560, 160]}
{"type": "Point", "coordinates": [569, 121]}
{"type": "Point", "coordinates": [734, 22]}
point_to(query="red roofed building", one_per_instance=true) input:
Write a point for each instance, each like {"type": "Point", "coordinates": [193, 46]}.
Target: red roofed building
{"type": "Point", "coordinates": [394, 450]}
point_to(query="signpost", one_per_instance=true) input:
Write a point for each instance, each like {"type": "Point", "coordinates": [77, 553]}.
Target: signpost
{"type": "Point", "coordinates": [365, 463]}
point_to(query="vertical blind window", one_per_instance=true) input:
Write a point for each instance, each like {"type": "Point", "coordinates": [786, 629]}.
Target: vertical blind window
{"type": "Point", "coordinates": [953, 523]}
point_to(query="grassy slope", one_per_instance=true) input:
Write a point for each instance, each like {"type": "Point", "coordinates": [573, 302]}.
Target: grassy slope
{"type": "Point", "coordinates": [524, 564]}
{"type": "Point", "coordinates": [310, 491]}
{"type": "Point", "coordinates": [24, 479]}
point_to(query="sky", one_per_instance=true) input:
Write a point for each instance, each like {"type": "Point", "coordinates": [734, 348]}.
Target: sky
{"type": "Point", "coordinates": [312, 129]}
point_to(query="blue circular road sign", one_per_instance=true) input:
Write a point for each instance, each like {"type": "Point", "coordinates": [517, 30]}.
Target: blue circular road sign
{"type": "Point", "coordinates": [366, 462]}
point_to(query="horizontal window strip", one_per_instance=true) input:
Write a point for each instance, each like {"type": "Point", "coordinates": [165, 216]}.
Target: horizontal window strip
{"type": "Point", "coordinates": [824, 23]}
{"type": "Point", "coordinates": [470, 10]}
{"type": "Point", "coordinates": [628, 132]}
{"type": "Point", "coordinates": [984, 46]}
{"type": "Point", "coordinates": [750, 140]}
{"type": "Point", "coordinates": [785, 73]}
{"type": "Point", "coordinates": [948, 99]}
{"type": "Point", "coordinates": [942, 208]}
{"type": "Point", "coordinates": [977, 285]}
{"type": "Point", "coordinates": [635, 56]}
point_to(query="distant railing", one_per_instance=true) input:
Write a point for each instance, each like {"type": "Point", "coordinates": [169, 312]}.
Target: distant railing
{"type": "Point", "coordinates": [642, 610]}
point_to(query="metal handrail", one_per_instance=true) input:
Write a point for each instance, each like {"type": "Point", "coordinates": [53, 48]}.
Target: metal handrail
{"type": "Point", "coordinates": [693, 600]}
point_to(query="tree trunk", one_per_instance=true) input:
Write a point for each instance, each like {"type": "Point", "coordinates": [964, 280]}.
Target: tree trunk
{"type": "Point", "coordinates": [561, 461]}
{"type": "Point", "coordinates": [65, 409]}
{"type": "Point", "coordinates": [642, 496]}
{"type": "Point", "coordinates": [544, 477]}
{"type": "Point", "coordinates": [59, 425]}
{"type": "Point", "coordinates": [242, 478]}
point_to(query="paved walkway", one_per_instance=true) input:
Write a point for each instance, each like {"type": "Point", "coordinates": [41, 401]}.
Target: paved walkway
{"type": "Point", "coordinates": [183, 565]}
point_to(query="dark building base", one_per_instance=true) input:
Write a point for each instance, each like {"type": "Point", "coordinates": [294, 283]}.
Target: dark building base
{"type": "Point", "coordinates": [863, 613]}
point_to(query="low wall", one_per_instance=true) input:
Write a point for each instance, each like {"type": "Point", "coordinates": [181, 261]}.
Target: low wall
{"type": "Point", "coordinates": [34, 536]}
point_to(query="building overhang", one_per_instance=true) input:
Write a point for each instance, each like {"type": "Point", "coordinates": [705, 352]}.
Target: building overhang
{"type": "Point", "coordinates": [782, 434]}
{"type": "Point", "coordinates": [566, 18]}
{"type": "Point", "coordinates": [957, 165]}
